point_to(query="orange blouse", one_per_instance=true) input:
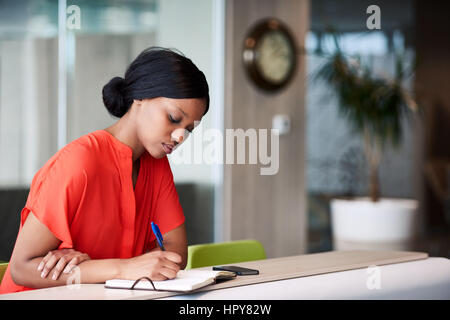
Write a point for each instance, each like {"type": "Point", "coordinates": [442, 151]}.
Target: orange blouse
{"type": "Point", "coordinates": [84, 195]}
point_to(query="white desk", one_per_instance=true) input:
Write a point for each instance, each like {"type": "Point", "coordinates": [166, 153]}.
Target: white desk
{"type": "Point", "coordinates": [422, 279]}
{"type": "Point", "coordinates": [313, 276]}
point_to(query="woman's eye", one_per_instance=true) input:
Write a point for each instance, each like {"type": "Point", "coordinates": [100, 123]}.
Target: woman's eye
{"type": "Point", "coordinates": [173, 120]}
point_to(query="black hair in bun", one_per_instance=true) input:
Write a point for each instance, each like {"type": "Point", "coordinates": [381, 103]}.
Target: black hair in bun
{"type": "Point", "coordinates": [156, 72]}
{"type": "Point", "coordinates": [113, 97]}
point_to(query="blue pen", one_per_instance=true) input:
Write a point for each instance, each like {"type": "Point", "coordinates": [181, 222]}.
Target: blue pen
{"type": "Point", "coordinates": [158, 236]}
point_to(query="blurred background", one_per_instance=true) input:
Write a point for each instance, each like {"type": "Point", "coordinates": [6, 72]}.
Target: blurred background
{"type": "Point", "coordinates": [55, 57]}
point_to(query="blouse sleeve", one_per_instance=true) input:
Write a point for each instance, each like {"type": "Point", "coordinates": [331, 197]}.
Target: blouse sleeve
{"type": "Point", "coordinates": [169, 213]}
{"type": "Point", "coordinates": [54, 197]}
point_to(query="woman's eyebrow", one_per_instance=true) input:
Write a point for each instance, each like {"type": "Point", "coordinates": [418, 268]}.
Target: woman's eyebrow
{"type": "Point", "coordinates": [182, 112]}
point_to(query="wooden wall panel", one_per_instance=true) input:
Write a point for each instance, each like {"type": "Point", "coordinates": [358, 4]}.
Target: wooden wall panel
{"type": "Point", "coordinates": [269, 208]}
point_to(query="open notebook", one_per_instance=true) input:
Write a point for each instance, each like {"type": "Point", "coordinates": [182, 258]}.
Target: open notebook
{"type": "Point", "coordinates": [186, 280]}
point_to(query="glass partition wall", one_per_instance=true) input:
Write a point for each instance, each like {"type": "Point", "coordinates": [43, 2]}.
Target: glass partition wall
{"type": "Point", "coordinates": [55, 57]}
{"type": "Point", "coordinates": [336, 165]}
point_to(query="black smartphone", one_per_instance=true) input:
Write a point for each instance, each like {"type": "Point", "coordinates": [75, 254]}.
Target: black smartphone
{"type": "Point", "coordinates": [240, 271]}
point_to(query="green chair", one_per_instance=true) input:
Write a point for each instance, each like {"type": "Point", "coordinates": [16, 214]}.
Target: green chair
{"type": "Point", "coordinates": [211, 254]}
{"type": "Point", "coordinates": [3, 266]}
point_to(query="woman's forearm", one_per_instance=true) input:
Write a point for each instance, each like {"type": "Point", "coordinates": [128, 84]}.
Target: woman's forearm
{"type": "Point", "coordinates": [90, 271]}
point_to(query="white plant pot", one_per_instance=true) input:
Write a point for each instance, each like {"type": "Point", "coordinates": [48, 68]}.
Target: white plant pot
{"type": "Point", "coordinates": [361, 224]}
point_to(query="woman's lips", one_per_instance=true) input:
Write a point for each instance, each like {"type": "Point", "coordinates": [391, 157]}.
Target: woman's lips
{"type": "Point", "coordinates": [167, 148]}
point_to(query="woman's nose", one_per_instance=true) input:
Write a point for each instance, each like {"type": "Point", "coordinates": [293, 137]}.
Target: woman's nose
{"type": "Point", "coordinates": [179, 135]}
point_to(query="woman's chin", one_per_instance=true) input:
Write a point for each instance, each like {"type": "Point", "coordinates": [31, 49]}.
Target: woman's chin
{"type": "Point", "coordinates": [157, 154]}
{"type": "Point", "coordinates": [160, 156]}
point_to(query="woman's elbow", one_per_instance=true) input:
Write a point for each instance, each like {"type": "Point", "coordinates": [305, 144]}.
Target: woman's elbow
{"type": "Point", "coordinates": [17, 272]}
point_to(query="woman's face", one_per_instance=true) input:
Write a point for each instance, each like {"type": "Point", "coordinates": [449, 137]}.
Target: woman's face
{"type": "Point", "coordinates": [161, 122]}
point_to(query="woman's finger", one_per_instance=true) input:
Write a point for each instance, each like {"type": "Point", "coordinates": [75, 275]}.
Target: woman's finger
{"type": "Point", "coordinates": [171, 265]}
{"type": "Point", "coordinates": [44, 261]}
{"type": "Point", "coordinates": [59, 267]}
{"type": "Point", "coordinates": [58, 260]}
{"type": "Point", "coordinates": [49, 265]}
{"type": "Point", "coordinates": [168, 273]}
{"type": "Point", "coordinates": [72, 264]}
{"type": "Point", "coordinates": [172, 256]}
{"type": "Point", "coordinates": [76, 261]}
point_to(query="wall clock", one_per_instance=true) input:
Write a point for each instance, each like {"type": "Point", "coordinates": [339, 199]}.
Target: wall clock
{"type": "Point", "coordinates": [269, 55]}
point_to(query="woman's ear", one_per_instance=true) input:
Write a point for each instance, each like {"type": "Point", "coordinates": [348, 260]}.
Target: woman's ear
{"type": "Point", "coordinates": [138, 102]}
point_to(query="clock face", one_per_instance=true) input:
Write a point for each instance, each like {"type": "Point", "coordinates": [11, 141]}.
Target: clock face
{"type": "Point", "coordinates": [274, 56]}
{"type": "Point", "coordinates": [269, 55]}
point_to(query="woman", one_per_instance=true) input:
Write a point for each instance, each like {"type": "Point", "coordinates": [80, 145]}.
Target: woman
{"type": "Point", "coordinates": [91, 205]}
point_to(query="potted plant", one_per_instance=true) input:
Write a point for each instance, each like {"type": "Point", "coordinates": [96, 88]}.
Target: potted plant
{"type": "Point", "coordinates": [374, 107]}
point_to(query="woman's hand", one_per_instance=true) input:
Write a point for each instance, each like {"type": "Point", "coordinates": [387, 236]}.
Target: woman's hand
{"type": "Point", "coordinates": [58, 261]}
{"type": "Point", "coordinates": [157, 265]}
